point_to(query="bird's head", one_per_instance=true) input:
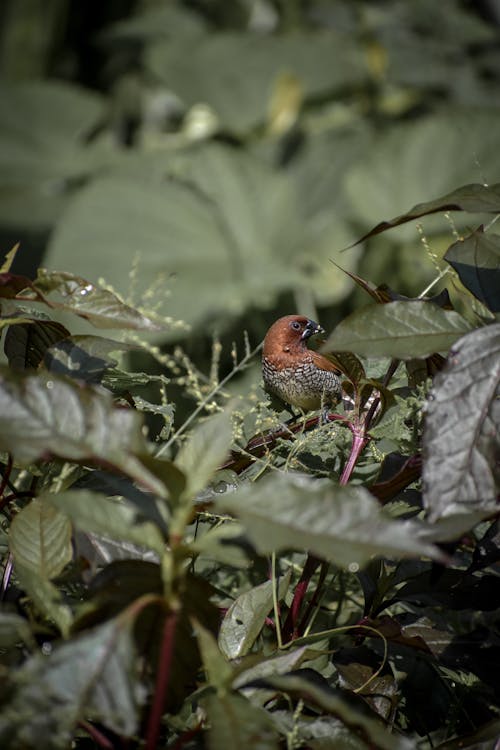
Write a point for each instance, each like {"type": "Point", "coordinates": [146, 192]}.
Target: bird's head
{"type": "Point", "coordinates": [290, 334]}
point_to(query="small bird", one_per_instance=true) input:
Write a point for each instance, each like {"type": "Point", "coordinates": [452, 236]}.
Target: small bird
{"type": "Point", "coordinates": [295, 374]}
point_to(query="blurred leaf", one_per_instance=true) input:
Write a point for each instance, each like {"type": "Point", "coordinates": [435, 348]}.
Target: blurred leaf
{"type": "Point", "coordinates": [90, 511]}
{"type": "Point", "coordinates": [92, 676]}
{"type": "Point", "coordinates": [170, 21]}
{"type": "Point", "coordinates": [463, 410]}
{"type": "Point", "coordinates": [476, 259]}
{"type": "Point", "coordinates": [40, 539]}
{"type": "Point", "coordinates": [403, 330]}
{"type": "Point", "coordinates": [312, 688]}
{"type": "Point", "coordinates": [232, 72]}
{"type": "Point", "coordinates": [224, 218]}
{"type": "Point", "coordinates": [204, 452]}
{"type": "Point", "coordinates": [237, 723]}
{"type": "Point", "coordinates": [342, 524]}
{"type": "Point", "coordinates": [395, 173]}
{"type": "Point", "coordinates": [47, 598]}
{"type": "Point", "coordinates": [217, 668]}
{"type": "Point", "coordinates": [15, 629]}
{"type": "Point", "coordinates": [102, 308]}
{"type": "Point", "coordinates": [43, 145]}
{"type": "Point", "coordinates": [42, 415]}
{"type": "Point", "coordinates": [245, 617]}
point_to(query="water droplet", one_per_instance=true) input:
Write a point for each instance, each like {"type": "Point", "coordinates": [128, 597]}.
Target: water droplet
{"type": "Point", "coordinates": [50, 384]}
{"type": "Point", "coordinates": [46, 648]}
{"type": "Point", "coordinates": [353, 567]}
{"type": "Point", "coordinates": [86, 290]}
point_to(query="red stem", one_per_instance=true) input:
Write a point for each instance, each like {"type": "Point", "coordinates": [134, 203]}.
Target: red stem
{"type": "Point", "coordinates": [162, 680]}
{"type": "Point", "coordinates": [96, 735]}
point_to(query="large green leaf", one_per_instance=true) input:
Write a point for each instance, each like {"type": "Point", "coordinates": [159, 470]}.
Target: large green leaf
{"type": "Point", "coordinates": [401, 329]}
{"type": "Point", "coordinates": [234, 72]}
{"type": "Point", "coordinates": [43, 132]}
{"type": "Point", "coordinates": [461, 440]}
{"type": "Point", "coordinates": [462, 148]}
{"type": "Point", "coordinates": [237, 723]}
{"type": "Point", "coordinates": [40, 539]}
{"type": "Point", "coordinates": [476, 259]}
{"type": "Point", "coordinates": [44, 415]}
{"type": "Point", "coordinates": [92, 676]}
{"type": "Point", "coordinates": [342, 524]}
{"type": "Point", "coordinates": [221, 235]}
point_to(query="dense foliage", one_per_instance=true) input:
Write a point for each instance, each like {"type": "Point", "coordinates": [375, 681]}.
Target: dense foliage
{"type": "Point", "coordinates": [182, 568]}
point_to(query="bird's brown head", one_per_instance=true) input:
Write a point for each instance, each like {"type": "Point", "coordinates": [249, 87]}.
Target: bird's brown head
{"type": "Point", "coordinates": [289, 335]}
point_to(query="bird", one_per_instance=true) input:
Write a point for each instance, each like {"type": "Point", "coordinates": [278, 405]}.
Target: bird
{"type": "Point", "coordinates": [295, 374]}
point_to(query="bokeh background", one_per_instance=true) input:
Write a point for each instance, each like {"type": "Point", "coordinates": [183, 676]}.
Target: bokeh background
{"type": "Point", "coordinates": [219, 156]}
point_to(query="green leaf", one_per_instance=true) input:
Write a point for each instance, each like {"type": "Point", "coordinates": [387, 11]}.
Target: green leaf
{"type": "Point", "coordinates": [46, 596]}
{"type": "Point", "coordinates": [476, 259]}
{"type": "Point", "coordinates": [102, 308]}
{"type": "Point", "coordinates": [474, 198]}
{"type": "Point", "coordinates": [84, 357]}
{"type": "Point", "coordinates": [299, 685]}
{"type": "Point", "coordinates": [221, 216]}
{"type": "Point", "coordinates": [248, 64]}
{"type": "Point", "coordinates": [44, 145]}
{"type": "Point", "coordinates": [13, 630]}
{"type": "Point", "coordinates": [403, 330]}
{"type": "Point", "coordinates": [111, 517]}
{"type": "Point", "coordinates": [342, 524]}
{"type": "Point", "coordinates": [92, 676]}
{"type": "Point", "coordinates": [43, 415]}
{"type": "Point", "coordinates": [204, 451]}
{"type": "Point", "coordinates": [245, 617]}
{"type": "Point", "coordinates": [463, 413]}
{"type": "Point", "coordinates": [237, 723]}
{"type": "Point", "coordinates": [218, 671]}
{"type": "Point", "coordinates": [40, 539]}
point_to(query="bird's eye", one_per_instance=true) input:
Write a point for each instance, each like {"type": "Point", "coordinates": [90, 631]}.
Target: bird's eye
{"type": "Point", "coordinates": [296, 325]}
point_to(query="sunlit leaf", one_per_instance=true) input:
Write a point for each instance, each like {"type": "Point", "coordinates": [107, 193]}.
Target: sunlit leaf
{"type": "Point", "coordinates": [43, 415]}
{"type": "Point", "coordinates": [476, 259]}
{"type": "Point", "coordinates": [342, 524]}
{"type": "Point", "coordinates": [403, 330]}
{"type": "Point", "coordinates": [461, 441]}
{"type": "Point", "coordinates": [245, 617]}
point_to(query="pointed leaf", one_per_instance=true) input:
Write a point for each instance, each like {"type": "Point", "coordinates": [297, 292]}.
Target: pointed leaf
{"type": "Point", "coordinates": [463, 411]}
{"type": "Point", "coordinates": [217, 669]}
{"type": "Point", "coordinates": [342, 524]}
{"type": "Point", "coordinates": [43, 415]}
{"type": "Point", "coordinates": [111, 517]}
{"type": "Point", "coordinates": [84, 357]}
{"type": "Point", "coordinates": [245, 617]}
{"type": "Point", "coordinates": [92, 676]}
{"type": "Point", "coordinates": [46, 597]}
{"type": "Point", "coordinates": [476, 259]}
{"type": "Point", "coordinates": [474, 198]}
{"type": "Point", "coordinates": [403, 330]}
{"type": "Point", "coordinates": [102, 308]}
{"type": "Point", "coordinates": [40, 539]}
{"type": "Point", "coordinates": [204, 452]}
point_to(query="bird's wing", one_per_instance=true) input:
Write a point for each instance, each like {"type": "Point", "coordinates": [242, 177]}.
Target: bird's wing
{"type": "Point", "coordinates": [324, 362]}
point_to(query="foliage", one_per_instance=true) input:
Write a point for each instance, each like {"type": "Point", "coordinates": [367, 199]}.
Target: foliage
{"type": "Point", "coordinates": [180, 567]}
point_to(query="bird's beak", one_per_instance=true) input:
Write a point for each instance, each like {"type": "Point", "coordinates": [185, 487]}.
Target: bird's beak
{"type": "Point", "coordinates": [311, 328]}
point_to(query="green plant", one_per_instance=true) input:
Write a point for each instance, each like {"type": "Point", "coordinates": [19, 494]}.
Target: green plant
{"type": "Point", "coordinates": [137, 609]}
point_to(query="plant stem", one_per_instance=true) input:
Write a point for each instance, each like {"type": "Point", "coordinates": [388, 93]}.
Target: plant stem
{"type": "Point", "coordinates": [162, 680]}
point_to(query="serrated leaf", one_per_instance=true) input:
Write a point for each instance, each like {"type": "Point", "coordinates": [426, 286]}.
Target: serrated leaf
{"type": "Point", "coordinates": [84, 357]}
{"type": "Point", "coordinates": [245, 617]}
{"type": "Point", "coordinates": [237, 723]}
{"type": "Point", "coordinates": [92, 676]}
{"type": "Point", "coordinates": [402, 330]}
{"type": "Point", "coordinates": [102, 308]}
{"type": "Point", "coordinates": [474, 198]}
{"type": "Point", "coordinates": [476, 259]}
{"type": "Point", "coordinates": [40, 539]}
{"type": "Point", "coordinates": [111, 517]}
{"type": "Point", "coordinates": [461, 440]}
{"type": "Point", "coordinates": [44, 415]}
{"type": "Point", "coordinates": [342, 524]}
{"type": "Point", "coordinates": [204, 452]}
{"type": "Point", "coordinates": [9, 259]}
